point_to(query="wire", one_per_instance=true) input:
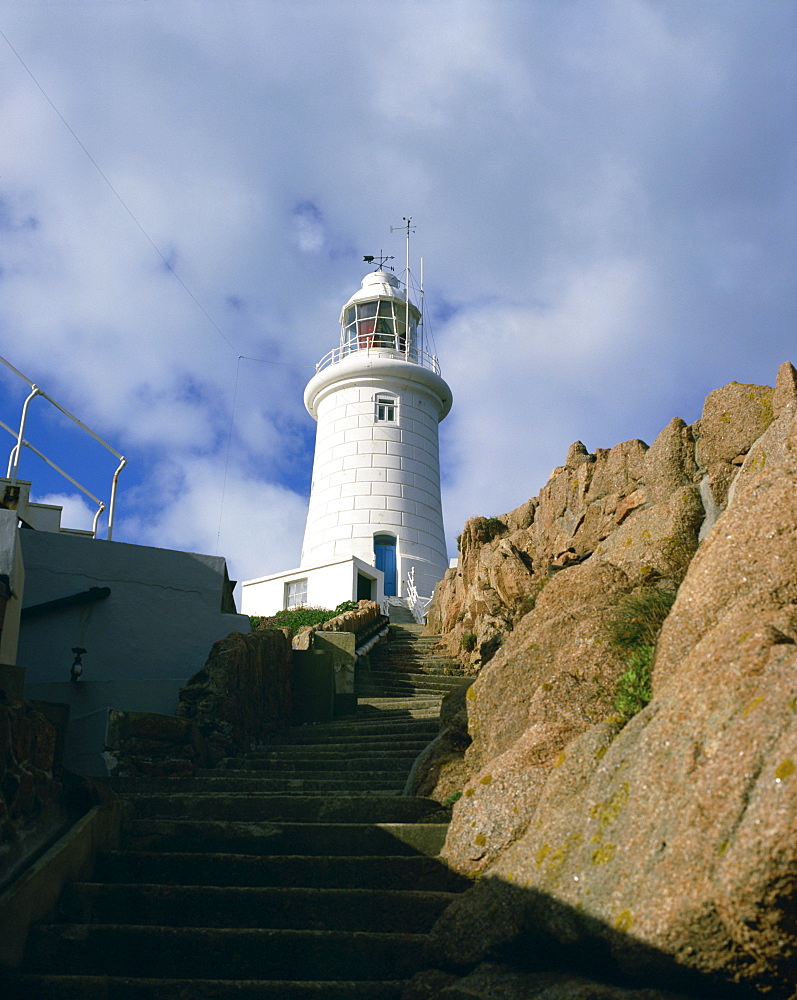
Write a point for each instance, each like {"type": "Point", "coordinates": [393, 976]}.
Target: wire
{"type": "Point", "coordinates": [227, 459]}
{"type": "Point", "coordinates": [284, 364]}
{"type": "Point", "coordinates": [130, 212]}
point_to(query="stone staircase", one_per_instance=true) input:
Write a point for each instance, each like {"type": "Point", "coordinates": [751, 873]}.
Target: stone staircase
{"type": "Point", "coordinates": [297, 871]}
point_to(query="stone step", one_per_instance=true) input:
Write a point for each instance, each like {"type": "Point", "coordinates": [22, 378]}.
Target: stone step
{"type": "Point", "coordinates": [423, 714]}
{"type": "Point", "coordinates": [364, 726]}
{"type": "Point", "coordinates": [277, 838]}
{"type": "Point", "coordinates": [411, 729]}
{"type": "Point", "coordinates": [385, 714]}
{"type": "Point", "coordinates": [310, 758]}
{"type": "Point", "coordinates": [323, 782]}
{"type": "Point", "coordinates": [379, 711]}
{"type": "Point", "coordinates": [43, 987]}
{"type": "Point", "coordinates": [402, 638]}
{"type": "Point", "coordinates": [365, 743]}
{"type": "Point", "coordinates": [414, 656]}
{"type": "Point", "coordinates": [417, 680]}
{"type": "Point", "coordinates": [398, 687]}
{"type": "Point", "coordinates": [207, 888]}
{"type": "Point", "coordinates": [370, 871]}
{"type": "Point", "coordinates": [369, 692]}
{"type": "Point", "coordinates": [421, 668]}
{"type": "Point", "coordinates": [248, 953]}
{"type": "Point", "coordinates": [285, 908]}
{"type": "Point", "coordinates": [245, 808]}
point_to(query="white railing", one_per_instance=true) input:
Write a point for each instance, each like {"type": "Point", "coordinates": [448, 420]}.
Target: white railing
{"type": "Point", "coordinates": [415, 356]}
{"type": "Point", "coordinates": [418, 605]}
{"type": "Point", "coordinates": [16, 451]}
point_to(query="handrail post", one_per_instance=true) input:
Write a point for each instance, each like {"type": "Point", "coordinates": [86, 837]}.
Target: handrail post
{"type": "Point", "coordinates": [112, 508]}
{"type": "Point", "coordinates": [13, 460]}
{"type": "Point", "coordinates": [100, 509]}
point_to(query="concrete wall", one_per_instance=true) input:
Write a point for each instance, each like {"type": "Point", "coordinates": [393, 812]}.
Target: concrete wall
{"type": "Point", "coordinates": [328, 585]}
{"type": "Point", "coordinates": [12, 585]}
{"type": "Point", "coordinates": [160, 620]}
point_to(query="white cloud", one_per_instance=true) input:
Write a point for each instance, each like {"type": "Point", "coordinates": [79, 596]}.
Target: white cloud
{"type": "Point", "coordinates": [604, 197]}
{"type": "Point", "coordinates": [77, 513]}
{"type": "Point", "coordinates": [255, 524]}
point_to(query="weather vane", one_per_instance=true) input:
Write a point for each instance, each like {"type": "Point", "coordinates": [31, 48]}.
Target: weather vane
{"type": "Point", "coordinates": [381, 261]}
{"type": "Point", "coordinates": [408, 226]}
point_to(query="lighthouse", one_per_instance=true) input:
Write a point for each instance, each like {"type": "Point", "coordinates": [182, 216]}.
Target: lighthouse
{"type": "Point", "coordinates": [374, 525]}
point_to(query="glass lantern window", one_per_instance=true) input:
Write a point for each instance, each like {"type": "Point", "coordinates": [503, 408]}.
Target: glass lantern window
{"type": "Point", "coordinates": [381, 323]}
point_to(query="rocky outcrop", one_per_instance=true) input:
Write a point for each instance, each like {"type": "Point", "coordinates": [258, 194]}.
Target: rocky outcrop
{"type": "Point", "coordinates": [504, 561]}
{"type": "Point", "coordinates": [666, 844]}
{"type": "Point", "coordinates": [242, 694]}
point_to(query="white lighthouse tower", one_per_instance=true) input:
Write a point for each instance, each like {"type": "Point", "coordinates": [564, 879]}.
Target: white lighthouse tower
{"type": "Point", "coordinates": [375, 521]}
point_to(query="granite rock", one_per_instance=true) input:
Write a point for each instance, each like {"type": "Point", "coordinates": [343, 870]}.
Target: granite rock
{"type": "Point", "coordinates": [243, 692]}
{"type": "Point", "coordinates": [670, 843]}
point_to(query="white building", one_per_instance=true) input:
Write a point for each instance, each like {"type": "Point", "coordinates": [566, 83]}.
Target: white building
{"type": "Point", "coordinates": [375, 523]}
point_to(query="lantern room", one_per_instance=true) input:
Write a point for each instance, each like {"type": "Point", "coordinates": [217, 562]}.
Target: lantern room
{"type": "Point", "coordinates": [379, 316]}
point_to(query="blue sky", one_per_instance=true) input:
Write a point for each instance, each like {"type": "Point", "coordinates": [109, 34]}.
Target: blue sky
{"type": "Point", "coordinates": [604, 196]}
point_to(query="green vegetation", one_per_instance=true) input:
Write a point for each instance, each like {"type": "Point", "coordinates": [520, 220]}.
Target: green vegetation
{"type": "Point", "coordinates": [451, 798]}
{"type": "Point", "coordinates": [637, 618]}
{"type": "Point", "coordinates": [633, 628]}
{"type": "Point", "coordinates": [296, 618]}
{"type": "Point", "coordinates": [468, 642]}
{"type": "Point", "coordinates": [635, 687]}
{"type": "Point", "coordinates": [490, 526]}
{"type": "Point", "coordinates": [293, 618]}
{"type": "Point", "coordinates": [346, 606]}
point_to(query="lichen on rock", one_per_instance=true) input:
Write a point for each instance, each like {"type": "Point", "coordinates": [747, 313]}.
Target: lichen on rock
{"type": "Point", "coordinates": [667, 842]}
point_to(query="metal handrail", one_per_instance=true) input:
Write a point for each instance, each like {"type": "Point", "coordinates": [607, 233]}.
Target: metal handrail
{"type": "Point", "coordinates": [418, 605]}
{"type": "Point", "coordinates": [16, 451]}
{"type": "Point", "coordinates": [415, 356]}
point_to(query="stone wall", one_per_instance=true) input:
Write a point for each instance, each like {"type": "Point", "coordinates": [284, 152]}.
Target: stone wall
{"type": "Point", "coordinates": [356, 620]}
{"type": "Point", "coordinates": [29, 778]}
{"type": "Point", "coordinates": [242, 694]}
{"type": "Point", "coordinates": [148, 744]}
{"type": "Point", "coordinates": [666, 844]}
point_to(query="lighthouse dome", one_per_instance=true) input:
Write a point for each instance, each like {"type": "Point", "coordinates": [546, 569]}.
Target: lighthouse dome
{"type": "Point", "coordinates": [379, 316]}
{"type": "Point", "coordinates": [378, 285]}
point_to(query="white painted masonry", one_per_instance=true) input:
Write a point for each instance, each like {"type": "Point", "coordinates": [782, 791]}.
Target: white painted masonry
{"type": "Point", "coordinates": [378, 400]}
{"type": "Point", "coordinates": [325, 585]}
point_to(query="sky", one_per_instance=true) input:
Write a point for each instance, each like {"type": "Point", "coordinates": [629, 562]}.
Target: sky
{"type": "Point", "coordinates": [604, 195]}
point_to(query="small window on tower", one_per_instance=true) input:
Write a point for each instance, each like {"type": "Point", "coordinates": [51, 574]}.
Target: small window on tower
{"type": "Point", "coordinates": [296, 593]}
{"type": "Point", "coordinates": [386, 408]}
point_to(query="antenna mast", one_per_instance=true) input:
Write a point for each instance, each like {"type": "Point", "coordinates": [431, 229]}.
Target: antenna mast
{"type": "Point", "coordinates": [409, 229]}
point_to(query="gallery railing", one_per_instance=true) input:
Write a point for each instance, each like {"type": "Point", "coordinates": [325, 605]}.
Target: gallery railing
{"type": "Point", "coordinates": [16, 451]}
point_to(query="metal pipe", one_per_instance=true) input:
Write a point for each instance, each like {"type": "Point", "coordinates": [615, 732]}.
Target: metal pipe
{"type": "Point", "coordinates": [407, 294]}
{"type": "Point", "coordinates": [58, 469]}
{"type": "Point", "coordinates": [14, 457]}
{"type": "Point", "coordinates": [13, 461]}
{"type": "Point", "coordinates": [100, 509]}
{"type": "Point", "coordinates": [90, 596]}
{"type": "Point", "coordinates": [112, 509]}
{"type": "Point", "coordinates": [422, 345]}
{"type": "Point", "coordinates": [80, 424]}
{"type": "Point", "coordinates": [63, 409]}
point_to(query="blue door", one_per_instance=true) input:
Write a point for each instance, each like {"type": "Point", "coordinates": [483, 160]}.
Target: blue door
{"type": "Point", "coordinates": [385, 553]}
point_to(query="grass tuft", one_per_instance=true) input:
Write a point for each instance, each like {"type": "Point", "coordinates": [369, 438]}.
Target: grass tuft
{"type": "Point", "coordinates": [635, 687]}
{"type": "Point", "coordinates": [633, 628]}
{"type": "Point", "coordinates": [468, 641]}
{"type": "Point", "coordinates": [637, 619]}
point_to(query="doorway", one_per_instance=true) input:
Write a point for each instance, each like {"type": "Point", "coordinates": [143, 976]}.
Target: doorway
{"type": "Point", "coordinates": [385, 553]}
{"type": "Point", "coordinates": [365, 588]}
